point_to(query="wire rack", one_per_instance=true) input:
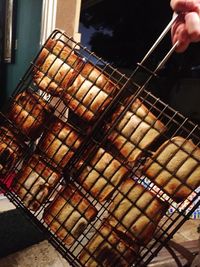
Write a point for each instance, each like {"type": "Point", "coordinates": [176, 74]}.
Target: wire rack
{"type": "Point", "coordinates": [106, 169]}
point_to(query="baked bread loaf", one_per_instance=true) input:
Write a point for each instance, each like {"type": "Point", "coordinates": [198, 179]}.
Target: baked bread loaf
{"type": "Point", "coordinates": [87, 91]}
{"type": "Point", "coordinates": [59, 142]}
{"type": "Point", "coordinates": [55, 67]}
{"type": "Point", "coordinates": [11, 149]}
{"type": "Point", "coordinates": [29, 112]}
{"type": "Point", "coordinates": [69, 214]}
{"type": "Point", "coordinates": [175, 167]}
{"type": "Point", "coordinates": [102, 175]}
{"type": "Point", "coordinates": [136, 130]}
{"type": "Point", "coordinates": [136, 211]}
{"type": "Point", "coordinates": [60, 49]}
{"type": "Point", "coordinates": [35, 182]}
{"type": "Point", "coordinates": [107, 249]}
{"type": "Point", "coordinates": [87, 70]}
{"type": "Point", "coordinates": [85, 99]}
{"type": "Point", "coordinates": [98, 78]}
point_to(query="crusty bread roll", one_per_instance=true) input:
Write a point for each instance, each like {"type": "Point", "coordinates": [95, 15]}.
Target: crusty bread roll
{"type": "Point", "coordinates": [60, 49]}
{"type": "Point", "coordinates": [59, 142]}
{"type": "Point", "coordinates": [87, 91]}
{"type": "Point", "coordinates": [98, 78]}
{"type": "Point", "coordinates": [85, 99]}
{"type": "Point", "coordinates": [136, 130]}
{"type": "Point", "coordinates": [29, 112]}
{"type": "Point", "coordinates": [69, 214]}
{"type": "Point", "coordinates": [11, 149]}
{"type": "Point", "coordinates": [136, 211]}
{"type": "Point", "coordinates": [55, 67]}
{"type": "Point", "coordinates": [175, 167]}
{"type": "Point", "coordinates": [88, 70]}
{"type": "Point", "coordinates": [107, 249]}
{"type": "Point", "coordinates": [55, 76]}
{"type": "Point", "coordinates": [102, 175]}
{"type": "Point", "coordinates": [35, 182]}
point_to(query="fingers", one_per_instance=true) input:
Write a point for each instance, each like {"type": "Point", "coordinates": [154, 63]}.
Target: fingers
{"type": "Point", "coordinates": [180, 34]}
{"type": "Point", "coordinates": [192, 25]}
{"type": "Point", "coordinates": [185, 5]}
{"type": "Point", "coordinates": [186, 28]}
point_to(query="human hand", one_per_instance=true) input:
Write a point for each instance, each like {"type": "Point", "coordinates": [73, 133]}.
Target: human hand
{"type": "Point", "coordinates": [186, 28]}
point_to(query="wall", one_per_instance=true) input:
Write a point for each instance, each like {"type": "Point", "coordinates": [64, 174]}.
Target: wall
{"type": "Point", "coordinates": [28, 30]}
{"type": "Point", "coordinates": [67, 17]}
{"type": "Point", "coordinates": [28, 36]}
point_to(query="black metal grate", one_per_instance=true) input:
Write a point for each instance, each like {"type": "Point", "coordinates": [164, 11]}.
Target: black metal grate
{"type": "Point", "coordinates": [98, 161]}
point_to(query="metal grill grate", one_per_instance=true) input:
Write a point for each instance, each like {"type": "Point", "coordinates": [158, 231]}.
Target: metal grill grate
{"type": "Point", "coordinates": [107, 170]}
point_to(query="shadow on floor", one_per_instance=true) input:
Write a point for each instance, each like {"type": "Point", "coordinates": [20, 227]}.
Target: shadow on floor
{"type": "Point", "coordinates": [17, 232]}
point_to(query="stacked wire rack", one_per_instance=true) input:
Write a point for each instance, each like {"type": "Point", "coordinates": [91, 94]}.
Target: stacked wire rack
{"type": "Point", "coordinates": [107, 170]}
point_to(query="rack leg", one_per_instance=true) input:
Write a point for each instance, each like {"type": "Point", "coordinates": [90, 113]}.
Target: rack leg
{"type": "Point", "coordinates": [189, 256]}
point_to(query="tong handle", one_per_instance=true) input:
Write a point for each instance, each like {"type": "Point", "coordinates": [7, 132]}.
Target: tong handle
{"type": "Point", "coordinates": [160, 38]}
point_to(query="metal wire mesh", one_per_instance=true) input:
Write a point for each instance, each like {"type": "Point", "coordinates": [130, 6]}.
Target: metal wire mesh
{"type": "Point", "coordinates": [106, 169]}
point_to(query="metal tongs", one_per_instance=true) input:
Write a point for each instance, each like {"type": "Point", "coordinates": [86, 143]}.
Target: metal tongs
{"type": "Point", "coordinates": [151, 50]}
{"type": "Point", "coordinates": [157, 42]}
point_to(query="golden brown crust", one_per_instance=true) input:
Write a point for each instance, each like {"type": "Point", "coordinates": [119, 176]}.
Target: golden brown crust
{"type": "Point", "coordinates": [88, 70]}
{"type": "Point", "coordinates": [87, 91]}
{"type": "Point", "coordinates": [107, 249]}
{"type": "Point", "coordinates": [60, 49]}
{"type": "Point", "coordinates": [11, 150]}
{"type": "Point", "coordinates": [69, 214]}
{"type": "Point", "coordinates": [60, 142]}
{"type": "Point", "coordinates": [55, 68]}
{"type": "Point", "coordinates": [96, 76]}
{"type": "Point", "coordinates": [137, 129]}
{"type": "Point", "coordinates": [29, 112]}
{"type": "Point", "coordinates": [35, 182]}
{"type": "Point", "coordinates": [174, 167]}
{"type": "Point", "coordinates": [102, 175]}
{"type": "Point", "coordinates": [136, 212]}
{"type": "Point", "coordinates": [54, 77]}
{"type": "Point", "coordinates": [86, 99]}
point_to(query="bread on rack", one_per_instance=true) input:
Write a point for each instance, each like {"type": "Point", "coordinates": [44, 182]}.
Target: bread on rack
{"type": "Point", "coordinates": [55, 67]}
{"type": "Point", "coordinates": [90, 93]}
{"type": "Point", "coordinates": [86, 99]}
{"type": "Point", "coordinates": [107, 248]}
{"type": "Point", "coordinates": [59, 48]}
{"type": "Point", "coordinates": [102, 174]}
{"type": "Point", "coordinates": [29, 112]}
{"type": "Point", "coordinates": [59, 142]}
{"type": "Point", "coordinates": [11, 149]}
{"type": "Point", "coordinates": [68, 54]}
{"type": "Point", "coordinates": [35, 182]}
{"type": "Point", "coordinates": [87, 91]}
{"type": "Point", "coordinates": [175, 167]}
{"type": "Point", "coordinates": [135, 131]}
{"type": "Point", "coordinates": [136, 211]}
{"type": "Point", "coordinates": [98, 78]}
{"type": "Point", "coordinates": [69, 214]}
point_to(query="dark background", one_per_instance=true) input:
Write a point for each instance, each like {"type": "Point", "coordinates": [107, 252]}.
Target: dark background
{"type": "Point", "coordinates": [121, 32]}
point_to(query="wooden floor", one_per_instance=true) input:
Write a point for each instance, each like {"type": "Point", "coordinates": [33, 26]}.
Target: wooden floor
{"type": "Point", "coordinates": [188, 241]}
{"type": "Point", "coordinates": [44, 255]}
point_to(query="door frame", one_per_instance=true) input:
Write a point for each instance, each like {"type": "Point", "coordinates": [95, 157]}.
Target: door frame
{"type": "Point", "coordinates": [48, 19]}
